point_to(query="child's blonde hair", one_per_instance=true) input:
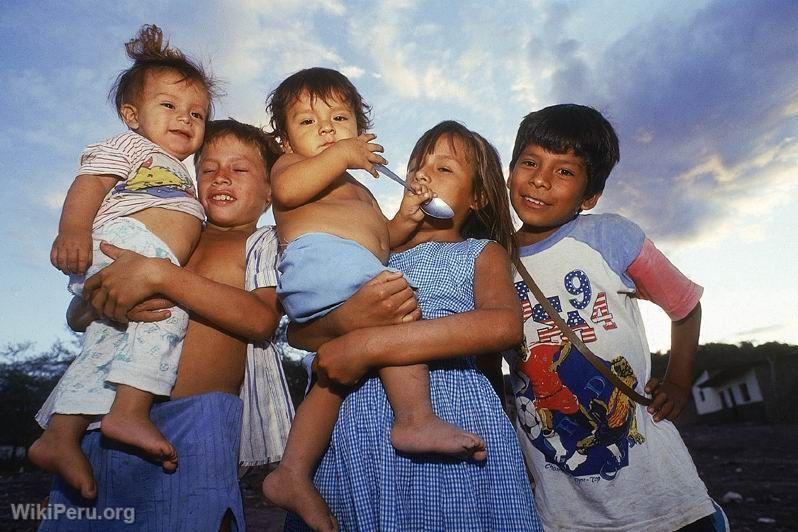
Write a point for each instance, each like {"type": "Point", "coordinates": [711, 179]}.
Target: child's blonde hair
{"type": "Point", "coordinates": [492, 219]}
{"type": "Point", "coordinates": [150, 52]}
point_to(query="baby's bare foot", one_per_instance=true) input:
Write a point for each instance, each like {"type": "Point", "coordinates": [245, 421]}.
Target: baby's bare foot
{"type": "Point", "coordinates": [65, 459]}
{"type": "Point", "coordinates": [296, 493]}
{"type": "Point", "coordinates": [434, 435]}
{"type": "Point", "coordinates": [140, 432]}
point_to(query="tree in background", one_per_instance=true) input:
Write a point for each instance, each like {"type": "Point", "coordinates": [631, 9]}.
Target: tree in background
{"type": "Point", "coordinates": [26, 379]}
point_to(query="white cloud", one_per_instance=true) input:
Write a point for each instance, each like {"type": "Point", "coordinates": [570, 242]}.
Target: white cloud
{"type": "Point", "coordinates": [352, 72]}
{"type": "Point", "coordinates": [406, 56]}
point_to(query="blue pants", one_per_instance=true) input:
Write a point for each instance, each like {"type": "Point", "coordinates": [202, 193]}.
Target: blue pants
{"type": "Point", "coordinates": [206, 430]}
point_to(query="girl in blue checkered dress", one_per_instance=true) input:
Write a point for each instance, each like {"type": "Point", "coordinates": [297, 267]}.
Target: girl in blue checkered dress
{"type": "Point", "coordinates": [461, 269]}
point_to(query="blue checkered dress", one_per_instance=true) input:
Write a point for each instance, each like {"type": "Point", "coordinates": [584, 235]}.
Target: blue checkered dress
{"type": "Point", "coordinates": [370, 487]}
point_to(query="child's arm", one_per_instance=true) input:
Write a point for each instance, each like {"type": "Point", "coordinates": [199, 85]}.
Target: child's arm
{"type": "Point", "coordinates": [494, 325]}
{"type": "Point", "coordinates": [671, 395]}
{"type": "Point", "coordinates": [80, 314]}
{"type": "Point", "coordinates": [131, 278]}
{"type": "Point", "coordinates": [409, 215]}
{"type": "Point", "coordinates": [298, 180]}
{"type": "Point", "coordinates": [659, 281]}
{"type": "Point", "coordinates": [71, 251]}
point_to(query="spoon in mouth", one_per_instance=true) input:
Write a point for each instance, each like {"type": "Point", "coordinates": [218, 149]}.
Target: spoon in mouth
{"type": "Point", "coordinates": [436, 207]}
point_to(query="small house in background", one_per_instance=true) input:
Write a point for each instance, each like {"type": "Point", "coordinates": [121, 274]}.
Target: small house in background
{"type": "Point", "coordinates": [761, 386]}
{"type": "Point", "coordinates": [729, 395]}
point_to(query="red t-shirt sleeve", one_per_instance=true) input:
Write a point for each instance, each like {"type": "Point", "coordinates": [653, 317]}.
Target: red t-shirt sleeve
{"type": "Point", "coordinates": [659, 281]}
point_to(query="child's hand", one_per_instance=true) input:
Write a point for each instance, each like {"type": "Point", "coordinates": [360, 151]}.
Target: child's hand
{"type": "Point", "coordinates": [668, 399]}
{"type": "Point", "coordinates": [410, 209]}
{"type": "Point", "coordinates": [340, 361]}
{"type": "Point", "coordinates": [361, 153]}
{"type": "Point", "coordinates": [121, 285]}
{"type": "Point", "coordinates": [386, 299]}
{"type": "Point", "coordinates": [151, 310]}
{"type": "Point", "coordinates": [71, 251]}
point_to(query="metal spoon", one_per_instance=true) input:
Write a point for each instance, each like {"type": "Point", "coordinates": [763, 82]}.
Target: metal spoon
{"type": "Point", "coordinates": [436, 207]}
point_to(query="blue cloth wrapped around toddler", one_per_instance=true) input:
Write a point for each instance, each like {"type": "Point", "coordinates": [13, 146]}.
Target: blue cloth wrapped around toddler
{"type": "Point", "coordinates": [319, 271]}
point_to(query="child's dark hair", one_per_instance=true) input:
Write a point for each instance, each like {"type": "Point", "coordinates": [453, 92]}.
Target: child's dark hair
{"type": "Point", "coordinates": [150, 52]}
{"type": "Point", "coordinates": [492, 220]}
{"type": "Point", "coordinates": [264, 142]}
{"type": "Point", "coordinates": [318, 82]}
{"type": "Point", "coordinates": [561, 128]}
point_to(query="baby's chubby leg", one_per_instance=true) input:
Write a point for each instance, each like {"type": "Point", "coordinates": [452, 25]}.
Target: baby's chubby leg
{"type": "Point", "coordinates": [58, 451]}
{"type": "Point", "coordinates": [129, 422]}
{"type": "Point", "coordinates": [416, 428]}
{"type": "Point", "coordinates": [290, 486]}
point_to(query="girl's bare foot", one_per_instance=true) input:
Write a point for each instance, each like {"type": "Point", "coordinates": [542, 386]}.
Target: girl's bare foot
{"type": "Point", "coordinates": [431, 434]}
{"type": "Point", "coordinates": [296, 493]}
{"type": "Point", "coordinates": [65, 459]}
{"type": "Point", "coordinates": [140, 432]}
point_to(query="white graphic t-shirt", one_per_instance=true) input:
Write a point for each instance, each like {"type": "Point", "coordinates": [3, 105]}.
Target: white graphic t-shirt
{"type": "Point", "coordinates": [598, 459]}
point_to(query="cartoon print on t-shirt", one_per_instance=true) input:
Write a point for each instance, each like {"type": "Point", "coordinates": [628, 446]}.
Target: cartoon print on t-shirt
{"type": "Point", "coordinates": [158, 176]}
{"type": "Point", "coordinates": [572, 414]}
{"type": "Point", "coordinates": [615, 420]}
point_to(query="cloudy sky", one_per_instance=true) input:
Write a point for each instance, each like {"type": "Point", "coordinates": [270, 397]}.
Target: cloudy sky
{"type": "Point", "coordinates": [704, 96]}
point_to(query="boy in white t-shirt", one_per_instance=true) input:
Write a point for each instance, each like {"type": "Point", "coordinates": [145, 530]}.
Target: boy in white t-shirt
{"type": "Point", "coordinates": [600, 461]}
{"type": "Point", "coordinates": [133, 191]}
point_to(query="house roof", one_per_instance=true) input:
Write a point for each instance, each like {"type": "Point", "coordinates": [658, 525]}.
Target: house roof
{"type": "Point", "coordinates": [723, 376]}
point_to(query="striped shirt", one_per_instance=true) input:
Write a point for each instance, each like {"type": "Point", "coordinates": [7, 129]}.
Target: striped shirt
{"type": "Point", "coordinates": [148, 177]}
{"type": "Point", "coordinates": [268, 409]}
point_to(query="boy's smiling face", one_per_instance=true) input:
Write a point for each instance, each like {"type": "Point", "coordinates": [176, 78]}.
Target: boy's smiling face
{"type": "Point", "coordinates": [313, 124]}
{"type": "Point", "coordinates": [232, 183]}
{"type": "Point", "coordinates": [170, 111]}
{"type": "Point", "coordinates": [547, 190]}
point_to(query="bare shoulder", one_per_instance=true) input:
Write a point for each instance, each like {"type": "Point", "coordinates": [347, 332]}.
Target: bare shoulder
{"type": "Point", "coordinates": [492, 256]}
{"type": "Point", "coordinates": [284, 162]}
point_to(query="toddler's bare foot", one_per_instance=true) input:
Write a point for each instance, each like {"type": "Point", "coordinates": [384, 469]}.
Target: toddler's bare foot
{"type": "Point", "coordinates": [140, 432]}
{"type": "Point", "coordinates": [296, 493]}
{"type": "Point", "coordinates": [65, 459]}
{"type": "Point", "coordinates": [431, 434]}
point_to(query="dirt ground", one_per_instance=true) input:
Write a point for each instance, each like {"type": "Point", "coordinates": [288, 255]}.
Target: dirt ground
{"type": "Point", "coordinates": [757, 463]}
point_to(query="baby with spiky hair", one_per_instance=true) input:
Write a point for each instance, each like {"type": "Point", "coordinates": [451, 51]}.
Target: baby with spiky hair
{"type": "Point", "coordinates": [133, 191]}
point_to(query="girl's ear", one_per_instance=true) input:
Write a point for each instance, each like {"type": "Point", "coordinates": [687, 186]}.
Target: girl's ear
{"type": "Point", "coordinates": [130, 115]}
{"type": "Point", "coordinates": [286, 145]}
{"type": "Point", "coordinates": [480, 200]}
